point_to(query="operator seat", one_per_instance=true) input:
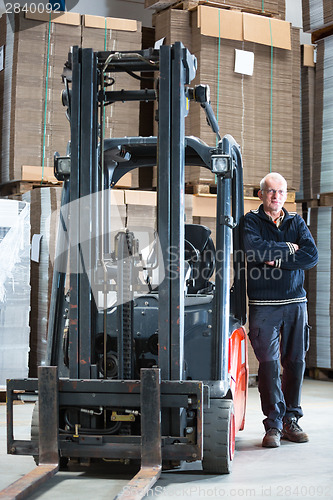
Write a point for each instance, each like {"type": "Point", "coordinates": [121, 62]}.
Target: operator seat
{"type": "Point", "coordinates": [200, 255]}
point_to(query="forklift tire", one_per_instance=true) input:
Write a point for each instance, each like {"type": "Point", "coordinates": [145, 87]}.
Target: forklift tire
{"type": "Point", "coordinates": [218, 437]}
{"type": "Point", "coordinates": [63, 461]}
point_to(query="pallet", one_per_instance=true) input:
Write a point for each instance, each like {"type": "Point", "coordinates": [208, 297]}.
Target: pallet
{"type": "Point", "coordinates": [312, 203]}
{"type": "Point", "coordinates": [201, 189]}
{"type": "Point", "coordinates": [193, 4]}
{"type": "Point", "coordinates": [322, 33]}
{"type": "Point", "coordinates": [320, 373]}
{"type": "Point", "coordinates": [17, 188]}
{"type": "Point", "coordinates": [326, 200]}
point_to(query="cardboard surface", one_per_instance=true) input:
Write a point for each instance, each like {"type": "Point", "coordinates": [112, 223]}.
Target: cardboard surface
{"type": "Point", "coordinates": [140, 197]}
{"type": "Point", "coordinates": [266, 31]}
{"type": "Point", "coordinates": [72, 18]}
{"type": "Point", "coordinates": [117, 197]}
{"type": "Point", "coordinates": [308, 55]}
{"type": "Point", "coordinates": [112, 23]}
{"type": "Point", "coordinates": [220, 23]}
{"type": "Point", "coordinates": [235, 25]}
{"type": "Point", "coordinates": [32, 173]}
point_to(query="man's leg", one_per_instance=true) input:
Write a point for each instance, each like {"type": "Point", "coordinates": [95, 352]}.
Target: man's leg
{"type": "Point", "coordinates": [265, 323]}
{"type": "Point", "coordinates": [294, 344]}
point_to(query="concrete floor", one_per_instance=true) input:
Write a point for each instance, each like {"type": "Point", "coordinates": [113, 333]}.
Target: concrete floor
{"type": "Point", "coordinates": [293, 471]}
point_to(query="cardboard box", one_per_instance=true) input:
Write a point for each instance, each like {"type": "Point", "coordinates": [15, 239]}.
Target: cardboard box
{"type": "Point", "coordinates": [266, 31]}
{"type": "Point", "coordinates": [70, 18]}
{"type": "Point", "coordinates": [148, 198]}
{"type": "Point", "coordinates": [129, 180]}
{"type": "Point", "coordinates": [31, 173]}
{"type": "Point", "coordinates": [109, 23]}
{"type": "Point", "coordinates": [250, 108]}
{"type": "Point", "coordinates": [242, 26]}
{"type": "Point", "coordinates": [220, 23]}
{"type": "Point", "coordinates": [308, 55]}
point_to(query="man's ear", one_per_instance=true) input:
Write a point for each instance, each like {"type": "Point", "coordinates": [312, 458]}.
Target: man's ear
{"type": "Point", "coordinates": [260, 194]}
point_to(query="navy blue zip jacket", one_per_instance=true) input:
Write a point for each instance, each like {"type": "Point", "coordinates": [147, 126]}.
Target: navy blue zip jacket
{"type": "Point", "coordinates": [265, 242]}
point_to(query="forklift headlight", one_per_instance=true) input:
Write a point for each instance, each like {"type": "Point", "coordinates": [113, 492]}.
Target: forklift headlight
{"type": "Point", "coordinates": [221, 164]}
{"type": "Point", "coordinates": [62, 167]}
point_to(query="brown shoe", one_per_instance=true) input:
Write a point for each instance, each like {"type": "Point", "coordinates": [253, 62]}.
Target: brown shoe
{"type": "Point", "coordinates": [271, 438]}
{"type": "Point", "coordinates": [293, 432]}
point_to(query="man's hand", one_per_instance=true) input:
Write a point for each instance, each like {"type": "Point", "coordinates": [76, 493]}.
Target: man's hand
{"type": "Point", "coordinates": [295, 246]}
{"type": "Point", "coordinates": [270, 263]}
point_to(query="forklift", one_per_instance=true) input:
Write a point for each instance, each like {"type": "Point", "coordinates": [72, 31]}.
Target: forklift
{"type": "Point", "coordinates": [147, 355]}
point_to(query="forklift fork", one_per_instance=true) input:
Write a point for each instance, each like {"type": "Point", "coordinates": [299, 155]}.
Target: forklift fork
{"type": "Point", "coordinates": [48, 437]}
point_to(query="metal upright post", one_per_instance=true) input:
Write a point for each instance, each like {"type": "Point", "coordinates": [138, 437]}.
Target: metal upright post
{"type": "Point", "coordinates": [74, 194]}
{"type": "Point", "coordinates": [177, 196]}
{"type": "Point", "coordinates": [163, 194]}
{"type": "Point", "coordinates": [87, 208]}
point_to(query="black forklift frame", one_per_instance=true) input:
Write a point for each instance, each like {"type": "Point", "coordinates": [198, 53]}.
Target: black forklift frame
{"type": "Point", "coordinates": [168, 392]}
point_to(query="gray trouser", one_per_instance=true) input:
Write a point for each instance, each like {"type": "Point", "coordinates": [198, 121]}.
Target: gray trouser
{"type": "Point", "coordinates": [280, 331]}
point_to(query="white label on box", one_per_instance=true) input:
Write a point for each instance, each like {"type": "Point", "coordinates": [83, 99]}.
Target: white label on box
{"type": "Point", "coordinates": [244, 62]}
{"type": "Point", "coordinates": [1, 57]}
{"type": "Point", "coordinates": [35, 247]}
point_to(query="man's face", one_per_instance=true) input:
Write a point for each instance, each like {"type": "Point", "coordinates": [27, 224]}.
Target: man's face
{"type": "Point", "coordinates": [273, 195]}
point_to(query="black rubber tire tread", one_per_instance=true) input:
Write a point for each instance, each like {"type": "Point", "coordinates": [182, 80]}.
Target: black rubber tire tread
{"type": "Point", "coordinates": [35, 428]}
{"type": "Point", "coordinates": [63, 461]}
{"type": "Point", "coordinates": [216, 437]}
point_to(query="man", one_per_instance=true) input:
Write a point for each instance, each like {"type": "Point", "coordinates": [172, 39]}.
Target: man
{"type": "Point", "coordinates": [279, 247]}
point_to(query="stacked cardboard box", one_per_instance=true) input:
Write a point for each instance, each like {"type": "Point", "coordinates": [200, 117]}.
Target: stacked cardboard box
{"type": "Point", "coordinates": [24, 43]}
{"type": "Point", "coordinates": [307, 121]}
{"type": "Point", "coordinates": [14, 289]}
{"type": "Point", "coordinates": [121, 119]}
{"type": "Point", "coordinates": [99, 33]}
{"type": "Point", "coordinates": [56, 126]}
{"type": "Point", "coordinates": [33, 123]}
{"type": "Point", "coordinates": [243, 102]}
{"type": "Point", "coordinates": [323, 139]}
{"type": "Point", "coordinates": [317, 14]}
{"type": "Point", "coordinates": [320, 291]}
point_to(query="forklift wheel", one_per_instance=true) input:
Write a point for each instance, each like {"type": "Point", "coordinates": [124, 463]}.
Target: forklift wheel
{"type": "Point", "coordinates": [219, 436]}
{"type": "Point", "coordinates": [63, 461]}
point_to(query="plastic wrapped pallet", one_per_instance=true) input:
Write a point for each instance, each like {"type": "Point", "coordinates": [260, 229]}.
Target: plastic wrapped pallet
{"type": "Point", "coordinates": [14, 289]}
{"type": "Point", "coordinates": [320, 290]}
{"type": "Point", "coordinates": [44, 203]}
{"type": "Point", "coordinates": [317, 14]}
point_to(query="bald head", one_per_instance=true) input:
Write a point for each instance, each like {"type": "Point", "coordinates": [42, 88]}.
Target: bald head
{"type": "Point", "coordinates": [272, 176]}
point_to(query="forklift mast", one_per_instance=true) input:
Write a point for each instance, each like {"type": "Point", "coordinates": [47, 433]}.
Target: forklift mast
{"type": "Point", "coordinates": [98, 393]}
